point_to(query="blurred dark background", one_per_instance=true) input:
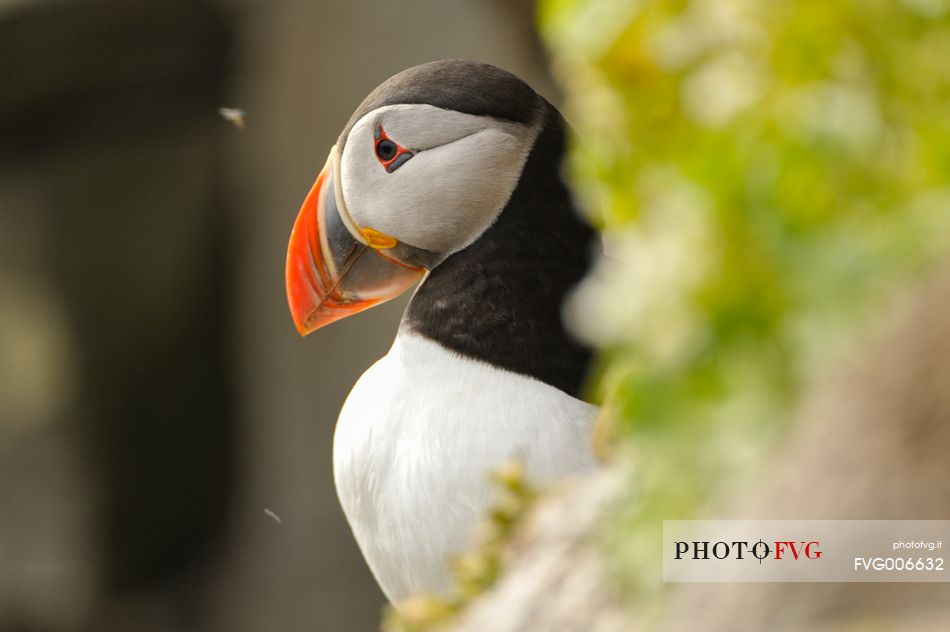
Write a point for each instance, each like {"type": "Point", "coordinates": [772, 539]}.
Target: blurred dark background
{"type": "Point", "coordinates": [165, 435]}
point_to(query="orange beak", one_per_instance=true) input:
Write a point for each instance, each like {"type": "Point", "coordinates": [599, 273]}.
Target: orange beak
{"type": "Point", "coordinates": [335, 269]}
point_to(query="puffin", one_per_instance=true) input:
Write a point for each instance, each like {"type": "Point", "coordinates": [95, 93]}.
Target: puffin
{"type": "Point", "coordinates": [448, 177]}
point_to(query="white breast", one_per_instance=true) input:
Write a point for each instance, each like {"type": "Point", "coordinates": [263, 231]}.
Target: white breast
{"type": "Point", "coordinates": [416, 441]}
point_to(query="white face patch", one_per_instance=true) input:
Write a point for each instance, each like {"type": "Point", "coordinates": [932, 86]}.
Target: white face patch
{"type": "Point", "coordinates": [464, 170]}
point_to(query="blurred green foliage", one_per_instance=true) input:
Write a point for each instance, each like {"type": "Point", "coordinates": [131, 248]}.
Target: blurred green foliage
{"type": "Point", "coordinates": [770, 177]}
{"type": "Point", "coordinates": [477, 570]}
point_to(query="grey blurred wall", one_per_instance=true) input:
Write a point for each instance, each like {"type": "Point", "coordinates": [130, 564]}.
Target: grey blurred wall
{"type": "Point", "coordinates": [116, 439]}
{"type": "Point", "coordinates": [155, 398]}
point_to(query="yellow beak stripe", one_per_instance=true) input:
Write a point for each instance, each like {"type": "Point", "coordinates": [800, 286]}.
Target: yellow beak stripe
{"type": "Point", "coordinates": [378, 240]}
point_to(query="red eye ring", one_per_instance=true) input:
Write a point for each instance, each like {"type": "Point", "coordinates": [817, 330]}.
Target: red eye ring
{"type": "Point", "coordinates": [390, 154]}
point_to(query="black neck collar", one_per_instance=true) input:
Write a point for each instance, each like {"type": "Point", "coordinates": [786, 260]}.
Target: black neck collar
{"type": "Point", "coordinates": [499, 300]}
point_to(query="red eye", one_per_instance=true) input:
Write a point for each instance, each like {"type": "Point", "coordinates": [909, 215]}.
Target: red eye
{"type": "Point", "coordinates": [389, 153]}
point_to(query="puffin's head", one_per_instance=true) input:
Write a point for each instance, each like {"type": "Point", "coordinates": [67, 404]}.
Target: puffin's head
{"type": "Point", "coordinates": [425, 165]}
